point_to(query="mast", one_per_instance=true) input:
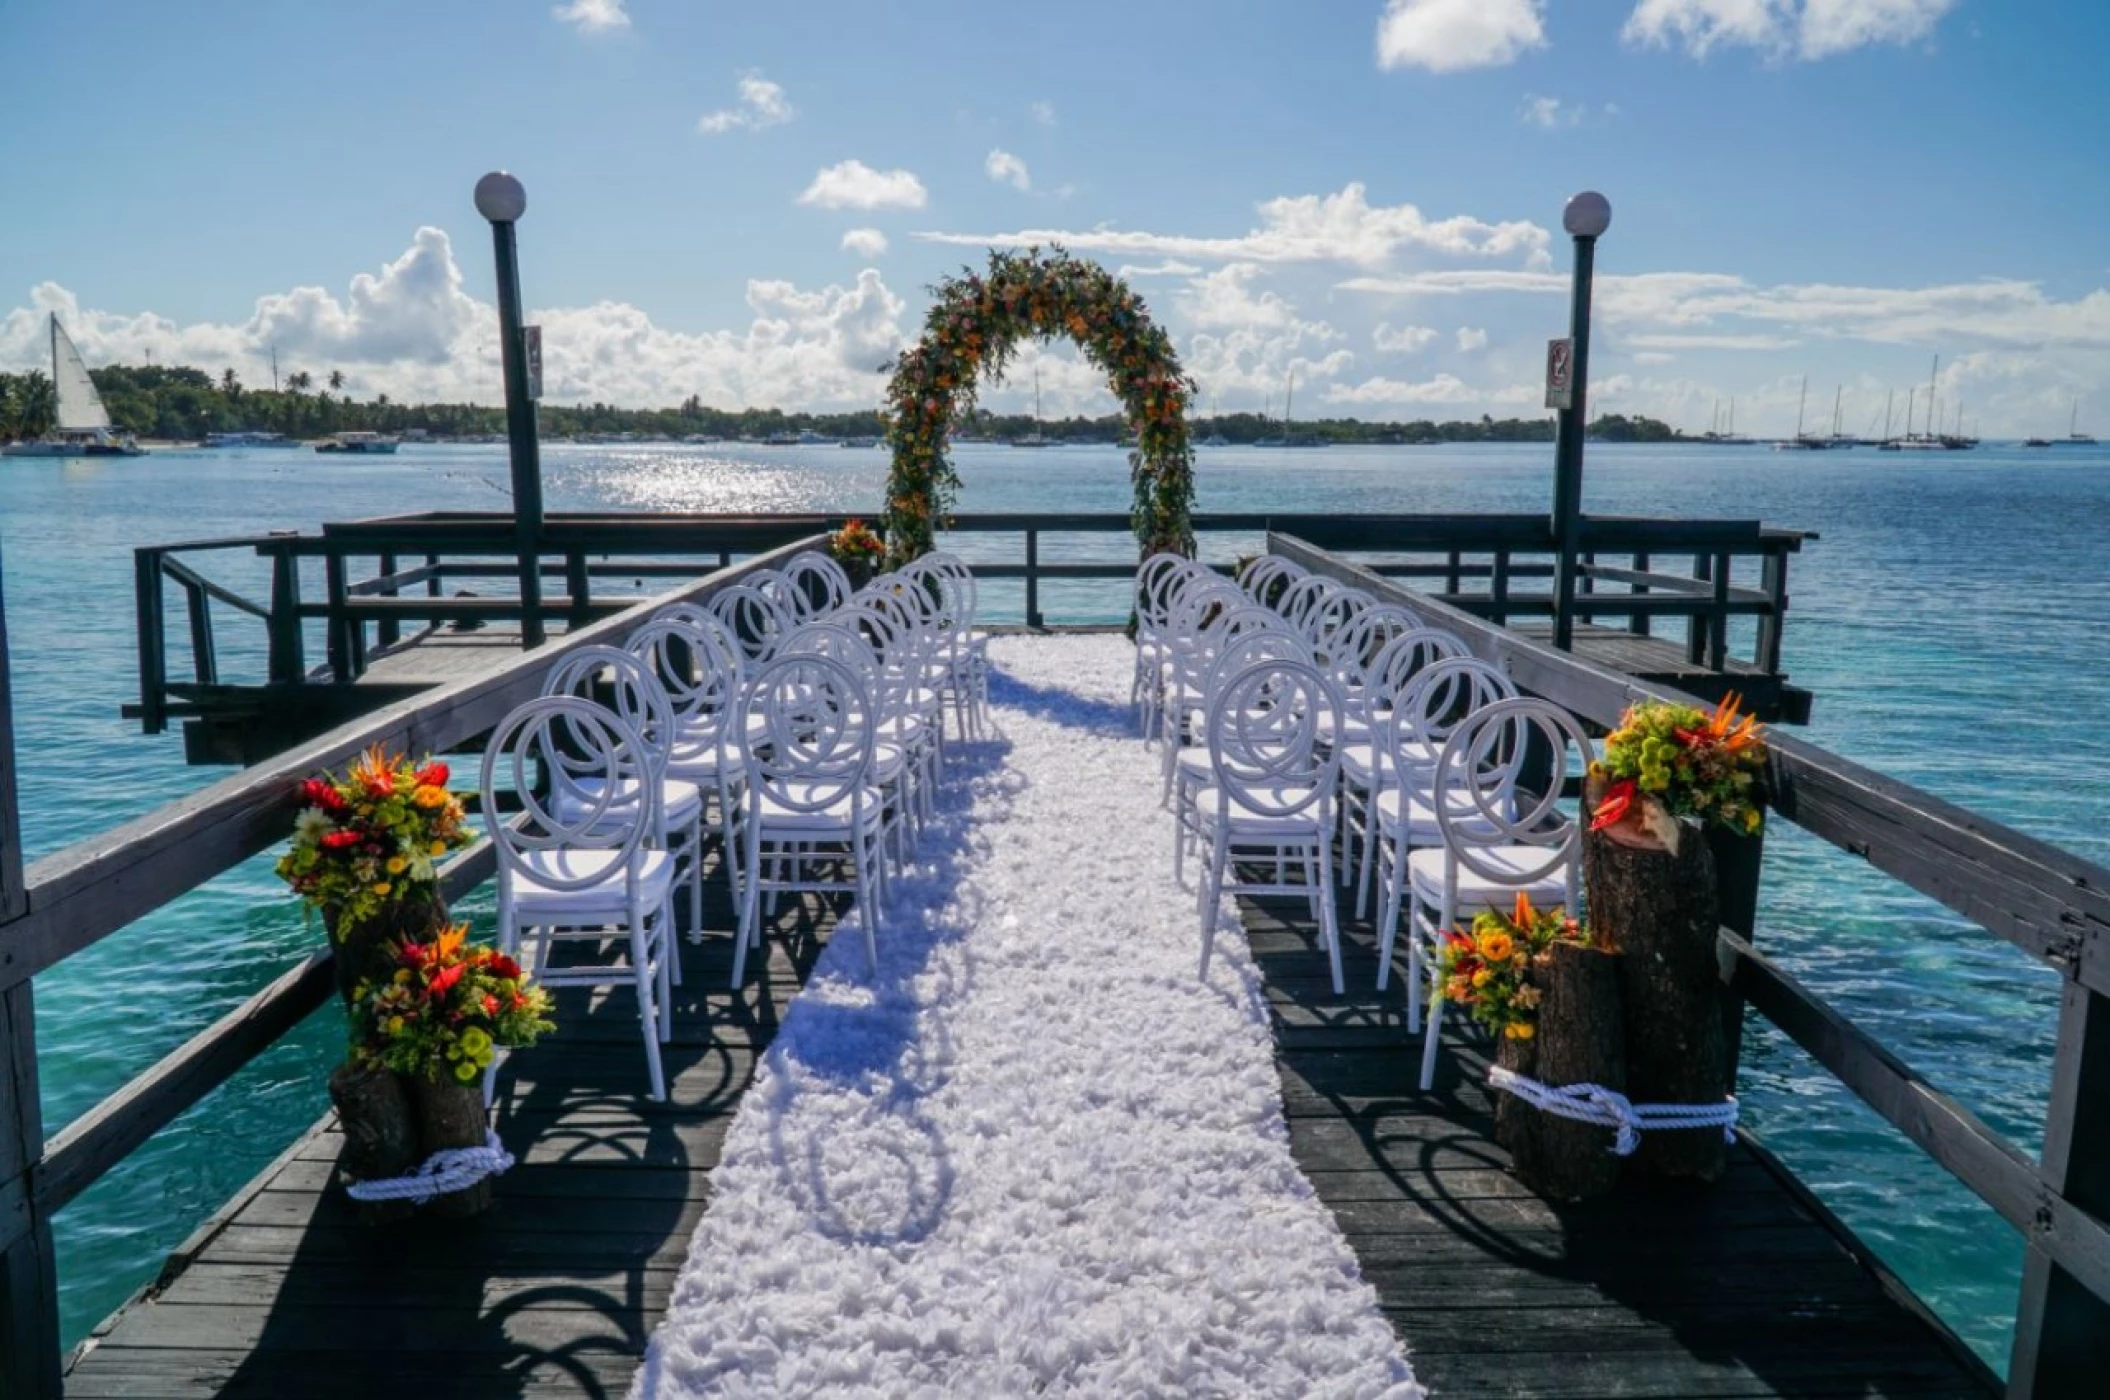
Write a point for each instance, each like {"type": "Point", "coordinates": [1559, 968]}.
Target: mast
{"type": "Point", "coordinates": [1289, 394]}
{"type": "Point", "coordinates": [1732, 415]}
{"type": "Point", "coordinates": [1890, 397]}
{"type": "Point", "coordinates": [1932, 375]}
{"type": "Point", "coordinates": [1801, 404]}
{"type": "Point", "coordinates": [1838, 397]}
{"type": "Point", "coordinates": [1911, 403]}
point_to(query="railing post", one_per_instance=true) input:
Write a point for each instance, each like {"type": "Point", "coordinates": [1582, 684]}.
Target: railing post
{"type": "Point", "coordinates": [1451, 580]}
{"type": "Point", "coordinates": [387, 632]}
{"type": "Point", "coordinates": [205, 664]}
{"type": "Point", "coordinates": [432, 576]}
{"type": "Point", "coordinates": [576, 583]}
{"type": "Point", "coordinates": [1738, 867]}
{"type": "Point", "coordinates": [337, 628]}
{"type": "Point", "coordinates": [1774, 580]}
{"type": "Point", "coordinates": [1638, 622]}
{"type": "Point", "coordinates": [288, 663]}
{"type": "Point", "coordinates": [1696, 624]}
{"type": "Point", "coordinates": [1586, 584]}
{"type": "Point", "coordinates": [1718, 622]}
{"type": "Point", "coordinates": [1033, 578]}
{"type": "Point", "coordinates": [153, 645]}
{"type": "Point", "coordinates": [29, 1288]}
{"type": "Point", "coordinates": [2062, 1331]}
{"type": "Point", "coordinates": [1498, 589]}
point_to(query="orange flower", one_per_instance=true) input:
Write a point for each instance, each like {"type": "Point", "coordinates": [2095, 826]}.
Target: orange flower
{"type": "Point", "coordinates": [1618, 800]}
{"type": "Point", "coordinates": [1523, 915]}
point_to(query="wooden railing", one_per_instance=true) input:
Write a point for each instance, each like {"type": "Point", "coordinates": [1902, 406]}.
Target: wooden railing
{"type": "Point", "coordinates": [2050, 903]}
{"type": "Point", "coordinates": [1499, 567]}
{"type": "Point", "coordinates": [69, 901]}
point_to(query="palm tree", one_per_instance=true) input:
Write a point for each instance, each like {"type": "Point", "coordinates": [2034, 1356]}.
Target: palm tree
{"type": "Point", "coordinates": [230, 385]}
{"type": "Point", "coordinates": [336, 381]}
{"type": "Point", "coordinates": [36, 405]}
{"type": "Point", "coordinates": [300, 381]}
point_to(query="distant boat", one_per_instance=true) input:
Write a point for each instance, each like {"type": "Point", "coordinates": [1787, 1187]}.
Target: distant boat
{"type": "Point", "coordinates": [2036, 442]}
{"type": "Point", "coordinates": [247, 439]}
{"type": "Point", "coordinates": [358, 444]}
{"type": "Point", "coordinates": [860, 442]}
{"type": "Point", "coordinates": [83, 428]}
{"type": "Point", "coordinates": [1036, 438]}
{"type": "Point", "coordinates": [1801, 442]}
{"type": "Point", "coordinates": [1215, 440]}
{"type": "Point", "coordinates": [1289, 439]}
{"type": "Point", "coordinates": [2074, 436]}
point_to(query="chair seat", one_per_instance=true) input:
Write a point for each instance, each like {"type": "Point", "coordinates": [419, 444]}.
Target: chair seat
{"type": "Point", "coordinates": [706, 763]}
{"type": "Point", "coordinates": [1358, 762]}
{"type": "Point", "coordinates": [1247, 821]}
{"type": "Point", "coordinates": [1476, 891]}
{"type": "Point", "coordinates": [1419, 816]}
{"type": "Point", "coordinates": [681, 799]}
{"type": "Point", "coordinates": [833, 817]}
{"type": "Point", "coordinates": [537, 899]}
{"type": "Point", "coordinates": [1352, 729]}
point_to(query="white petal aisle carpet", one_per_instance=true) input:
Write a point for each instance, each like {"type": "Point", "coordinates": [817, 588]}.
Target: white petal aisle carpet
{"type": "Point", "coordinates": [1037, 1154]}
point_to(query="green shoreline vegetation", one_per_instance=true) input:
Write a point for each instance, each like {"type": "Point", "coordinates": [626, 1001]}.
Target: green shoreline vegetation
{"type": "Point", "coordinates": [179, 404]}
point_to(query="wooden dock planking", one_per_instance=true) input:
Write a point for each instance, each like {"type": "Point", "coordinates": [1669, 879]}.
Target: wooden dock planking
{"type": "Point", "coordinates": [1734, 1291]}
{"type": "Point", "coordinates": [553, 1293]}
{"type": "Point", "coordinates": [1661, 661]}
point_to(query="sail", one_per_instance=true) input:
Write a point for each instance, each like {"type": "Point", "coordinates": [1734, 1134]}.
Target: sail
{"type": "Point", "coordinates": [79, 405]}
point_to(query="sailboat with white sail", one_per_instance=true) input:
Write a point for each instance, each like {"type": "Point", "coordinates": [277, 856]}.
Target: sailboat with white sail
{"type": "Point", "coordinates": [83, 428]}
{"type": "Point", "coordinates": [1036, 438]}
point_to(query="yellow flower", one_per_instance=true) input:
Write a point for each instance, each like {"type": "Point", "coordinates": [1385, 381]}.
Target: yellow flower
{"type": "Point", "coordinates": [439, 848]}
{"type": "Point", "coordinates": [395, 1025]}
{"type": "Point", "coordinates": [1496, 946]}
{"type": "Point", "coordinates": [429, 796]}
{"type": "Point", "coordinates": [396, 865]}
{"type": "Point", "coordinates": [382, 888]}
{"type": "Point", "coordinates": [1520, 1030]}
{"type": "Point", "coordinates": [402, 977]}
{"type": "Point", "coordinates": [1482, 977]}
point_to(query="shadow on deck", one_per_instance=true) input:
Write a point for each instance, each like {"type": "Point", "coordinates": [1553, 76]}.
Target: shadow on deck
{"type": "Point", "coordinates": [1738, 1290]}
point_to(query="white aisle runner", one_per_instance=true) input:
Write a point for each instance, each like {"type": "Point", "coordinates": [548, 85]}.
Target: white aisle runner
{"type": "Point", "coordinates": [1037, 1154]}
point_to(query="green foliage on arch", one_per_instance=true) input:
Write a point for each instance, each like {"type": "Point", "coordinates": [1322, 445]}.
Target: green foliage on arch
{"type": "Point", "coordinates": [975, 323]}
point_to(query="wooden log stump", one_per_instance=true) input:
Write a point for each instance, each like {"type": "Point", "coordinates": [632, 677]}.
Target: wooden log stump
{"type": "Point", "coordinates": [364, 946]}
{"type": "Point", "coordinates": [1659, 906]}
{"type": "Point", "coordinates": [1512, 1113]}
{"type": "Point", "coordinates": [380, 1134]}
{"type": "Point", "coordinates": [1580, 1040]}
{"type": "Point", "coordinates": [453, 1115]}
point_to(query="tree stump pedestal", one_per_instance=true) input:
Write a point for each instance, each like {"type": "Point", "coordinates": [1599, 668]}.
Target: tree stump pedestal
{"type": "Point", "coordinates": [1578, 1041]}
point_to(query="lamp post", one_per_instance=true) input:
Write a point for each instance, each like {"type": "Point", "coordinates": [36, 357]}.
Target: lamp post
{"type": "Point", "coordinates": [1586, 217]}
{"type": "Point", "coordinates": [502, 199]}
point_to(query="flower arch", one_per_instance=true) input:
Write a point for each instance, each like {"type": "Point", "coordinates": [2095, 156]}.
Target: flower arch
{"type": "Point", "coordinates": [975, 323]}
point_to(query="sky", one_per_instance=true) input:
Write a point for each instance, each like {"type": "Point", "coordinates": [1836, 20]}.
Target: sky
{"type": "Point", "coordinates": [748, 202]}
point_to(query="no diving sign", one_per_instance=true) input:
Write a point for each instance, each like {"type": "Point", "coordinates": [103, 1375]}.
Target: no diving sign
{"type": "Point", "coordinates": [1560, 373]}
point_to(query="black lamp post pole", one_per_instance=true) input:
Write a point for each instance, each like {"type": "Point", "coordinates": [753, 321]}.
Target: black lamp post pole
{"type": "Point", "coordinates": [1586, 217]}
{"type": "Point", "coordinates": [499, 195]}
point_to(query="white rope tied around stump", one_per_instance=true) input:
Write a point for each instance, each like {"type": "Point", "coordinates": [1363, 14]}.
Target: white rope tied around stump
{"type": "Point", "coordinates": [1608, 1108]}
{"type": "Point", "coordinates": [449, 1169]}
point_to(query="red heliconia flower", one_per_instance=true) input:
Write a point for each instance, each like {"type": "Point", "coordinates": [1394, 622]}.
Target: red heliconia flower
{"type": "Point", "coordinates": [443, 981]}
{"type": "Point", "coordinates": [505, 967]}
{"type": "Point", "coordinates": [490, 1005]}
{"type": "Point", "coordinates": [413, 954]}
{"type": "Point", "coordinates": [1618, 800]}
{"type": "Point", "coordinates": [433, 774]}
{"type": "Point", "coordinates": [340, 840]}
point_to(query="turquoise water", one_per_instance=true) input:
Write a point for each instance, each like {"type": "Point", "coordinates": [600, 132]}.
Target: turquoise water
{"type": "Point", "coordinates": [1950, 621]}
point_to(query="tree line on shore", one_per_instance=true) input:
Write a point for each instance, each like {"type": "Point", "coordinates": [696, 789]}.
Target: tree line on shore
{"type": "Point", "coordinates": [181, 404]}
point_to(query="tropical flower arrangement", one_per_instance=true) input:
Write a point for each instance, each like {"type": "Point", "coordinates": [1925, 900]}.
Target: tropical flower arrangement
{"type": "Point", "coordinates": [446, 1010]}
{"type": "Point", "coordinates": [857, 543]}
{"type": "Point", "coordinates": [372, 837]}
{"type": "Point", "coordinates": [974, 326]}
{"type": "Point", "coordinates": [1685, 762]}
{"type": "Point", "coordinates": [1488, 969]}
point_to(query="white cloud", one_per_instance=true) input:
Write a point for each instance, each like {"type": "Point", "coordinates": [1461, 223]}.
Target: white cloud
{"type": "Point", "coordinates": [1806, 29]}
{"type": "Point", "coordinates": [852, 184]}
{"type": "Point", "coordinates": [1711, 342]}
{"type": "Point", "coordinates": [761, 104]}
{"type": "Point", "coordinates": [865, 242]}
{"type": "Point", "coordinates": [1169, 268]}
{"type": "Point", "coordinates": [1445, 36]}
{"type": "Point", "coordinates": [593, 16]}
{"type": "Point", "coordinates": [1044, 113]}
{"type": "Point", "coordinates": [1225, 299]}
{"type": "Point", "coordinates": [1653, 357]}
{"type": "Point", "coordinates": [412, 331]}
{"type": "Point", "coordinates": [1470, 339]}
{"type": "Point", "coordinates": [1442, 389]}
{"type": "Point", "coordinates": [1407, 339]}
{"type": "Point", "coordinates": [1548, 113]}
{"type": "Point", "coordinates": [1007, 169]}
{"type": "Point", "coordinates": [1343, 228]}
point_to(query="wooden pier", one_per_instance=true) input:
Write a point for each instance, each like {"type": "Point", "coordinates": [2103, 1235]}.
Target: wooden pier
{"type": "Point", "coordinates": [1749, 1290]}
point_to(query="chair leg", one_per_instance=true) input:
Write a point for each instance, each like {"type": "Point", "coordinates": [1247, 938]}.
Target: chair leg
{"type": "Point", "coordinates": [1211, 892]}
{"type": "Point", "coordinates": [1330, 929]}
{"type": "Point", "coordinates": [1431, 1039]}
{"type": "Point", "coordinates": [643, 977]}
{"type": "Point", "coordinates": [1396, 895]}
{"type": "Point", "coordinates": [750, 903]}
{"type": "Point", "coordinates": [867, 911]}
{"type": "Point", "coordinates": [669, 968]}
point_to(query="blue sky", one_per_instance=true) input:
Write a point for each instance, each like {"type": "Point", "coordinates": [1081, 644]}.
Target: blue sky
{"type": "Point", "coordinates": [1362, 192]}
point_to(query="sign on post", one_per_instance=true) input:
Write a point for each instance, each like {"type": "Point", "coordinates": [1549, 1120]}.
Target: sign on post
{"type": "Point", "coordinates": [1560, 373]}
{"type": "Point", "coordinates": [532, 336]}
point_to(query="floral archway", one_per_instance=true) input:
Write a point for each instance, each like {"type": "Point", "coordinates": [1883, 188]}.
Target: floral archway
{"type": "Point", "coordinates": [975, 324]}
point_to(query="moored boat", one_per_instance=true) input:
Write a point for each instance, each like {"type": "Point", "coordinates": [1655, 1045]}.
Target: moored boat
{"type": "Point", "coordinates": [83, 424]}
{"type": "Point", "coordinates": [368, 444]}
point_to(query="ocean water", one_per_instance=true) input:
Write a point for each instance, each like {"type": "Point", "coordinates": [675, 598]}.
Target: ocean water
{"type": "Point", "coordinates": [1951, 620]}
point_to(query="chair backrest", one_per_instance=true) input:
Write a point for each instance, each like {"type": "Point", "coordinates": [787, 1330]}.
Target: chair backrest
{"type": "Point", "coordinates": [1483, 803]}
{"type": "Point", "coordinates": [810, 736]}
{"type": "Point", "coordinates": [1263, 731]}
{"type": "Point", "coordinates": [818, 584]}
{"type": "Point", "coordinates": [1250, 648]}
{"type": "Point", "coordinates": [636, 694]}
{"type": "Point", "coordinates": [1434, 703]}
{"type": "Point", "coordinates": [1186, 576]}
{"type": "Point", "coordinates": [1201, 605]}
{"type": "Point", "coordinates": [958, 597]}
{"type": "Point", "coordinates": [1302, 596]}
{"type": "Point", "coordinates": [756, 618]}
{"type": "Point", "coordinates": [698, 665]}
{"type": "Point", "coordinates": [1266, 575]}
{"type": "Point", "coordinates": [1405, 657]}
{"type": "Point", "coordinates": [597, 762]}
{"type": "Point", "coordinates": [1153, 596]}
{"type": "Point", "coordinates": [1352, 651]}
{"type": "Point", "coordinates": [838, 641]}
{"type": "Point", "coordinates": [1332, 615]}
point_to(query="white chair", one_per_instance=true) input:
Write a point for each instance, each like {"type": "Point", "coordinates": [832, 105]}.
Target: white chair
{"type": "Point", "coordinates": [1303, 596]}
{"type": "Point", "coordinates": [1190, 663]}
{"type": "Point", "coordinates": [811, 796]}
{"type": "Point", "coordinates": [641, 702]}
{"type": "Point", "coordinates": [1266, 575]}
{"type": "Point", "coordinates": [583, 873]}
{"type": "Point", "coordinates": [902, 777]}
{"type": "Point", "coordinates": [1155, 590]}
{"type": "Point", "coordinates": [757, 618]}
{"type": "Point", "coordinates": [699, 668]}
{"type": "Point", "coordinates": [1500, 838]}
{"type": "Point", "coordinates": [819, 585]}
{"type": "Point", "coordinates": [1270, 795]}
{"type": "Point", "coordinates": [1191, 772]}
{"type": "Point", "coordinates": [965, 653]}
